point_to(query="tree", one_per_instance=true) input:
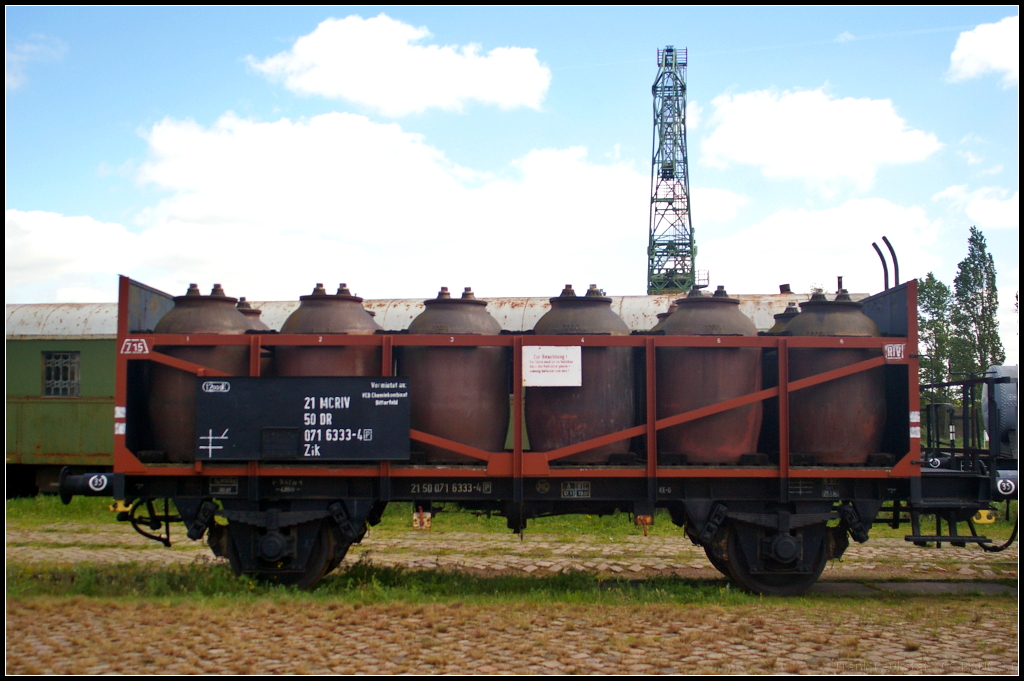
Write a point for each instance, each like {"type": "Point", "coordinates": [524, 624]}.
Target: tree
{"type": "Point", "coordinates": [934, 302]}
{"type": "Point", "coordinates": [975, 339]}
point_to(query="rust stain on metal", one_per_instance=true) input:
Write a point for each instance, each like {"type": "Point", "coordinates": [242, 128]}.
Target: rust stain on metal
{"type": "Point", "coordinates": [82, 320]}
{"type": "Point", "coordinates": [463, 393]}
{"type": "Point", "coordinates": [604, 403]}
{"type": "Point", "coordinates": [813, 412]}
{"type": "Point", "coordinates": [691, 378]}
{"type": "Point", "coordinates": [273, 313]}
{"type": "Point", "coordinates": [762, 307]}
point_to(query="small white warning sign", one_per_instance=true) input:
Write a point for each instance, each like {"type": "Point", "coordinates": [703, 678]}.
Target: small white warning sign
{"type": "Point", "coordinates": [552, 366]}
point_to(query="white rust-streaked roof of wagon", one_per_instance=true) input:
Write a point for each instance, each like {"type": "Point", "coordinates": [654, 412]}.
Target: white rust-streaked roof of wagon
{"type": "Point", "coordinates": [61, 320]}
{"type": "Point", "coordinates": [99, 320]}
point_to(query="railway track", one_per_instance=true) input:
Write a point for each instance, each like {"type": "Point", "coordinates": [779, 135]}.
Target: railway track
{"type": "Point", "coordinates": [539, 554]}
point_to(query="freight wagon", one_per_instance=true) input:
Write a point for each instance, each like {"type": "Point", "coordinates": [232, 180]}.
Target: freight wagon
{"type": "Point", "coordinates": [770, 451]}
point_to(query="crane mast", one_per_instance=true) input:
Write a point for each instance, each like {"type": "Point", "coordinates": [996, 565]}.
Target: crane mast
{"type": "Point", "coordinates": [671, 249]}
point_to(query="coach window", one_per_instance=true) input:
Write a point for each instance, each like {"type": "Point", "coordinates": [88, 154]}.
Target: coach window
{"type": "Point", "coordinates": [61, 374]}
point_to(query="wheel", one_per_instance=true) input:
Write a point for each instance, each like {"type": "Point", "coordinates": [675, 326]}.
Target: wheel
{"type": "Point", "coordinates": [327, 553]}
{"type": "Point", "coordinates": [718, 552]}
{"type": "Point", "coordinates": [219, 540]}
{"type": "Point", "coordinates": [316, 566]}
{"type": "Point", "coordinates": [341, 548]}
{"type": "Point", "coordinates": [780, 583]}
{"type": "Point", "coordinates": [222, 545]}
{"type": "Point", "coordinates": [336, 561]}
{"type": "Point", "coordinates": [321, 558]}
{"type": "Point", "coordinates": [722, 565]}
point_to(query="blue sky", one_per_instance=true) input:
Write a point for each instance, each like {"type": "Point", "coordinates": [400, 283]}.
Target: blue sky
{"type": "Point", "coordinates": [508, 149]}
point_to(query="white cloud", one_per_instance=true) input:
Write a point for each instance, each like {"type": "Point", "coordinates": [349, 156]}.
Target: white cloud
{"type": "Point", "coordinates": [801, 247]}
{"type": "Point", "coordinates": [694, 115]}
{"type": "Point", "coordinates": [616, 153]}
{"type": "Point", "coordinates": [987, 207]}
{"type": "Point", "coordinates": [715, 205]}
{"type": "Point", "coordinates": [971, 158]}
{"type": "Point", "coordinates": [47, 252]}
{"type": "Point", "coordinates": [39, 47]}
{"type": "Point", "coordinates": [269, 209]}
{"type": "Point", "coordinates": [812, 136]}
{"type": "Point", "coordinates": [381, 64]}
{"type": "Point", "coordinates": [845, 37]}
{"type": "Point", "coordinates": [83, 294]}
{"type": "Point", "coordinates": [989, 47]}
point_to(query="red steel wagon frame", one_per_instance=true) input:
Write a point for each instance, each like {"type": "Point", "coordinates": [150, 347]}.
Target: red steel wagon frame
{"type": "Point", "coordinates": [517, 463]}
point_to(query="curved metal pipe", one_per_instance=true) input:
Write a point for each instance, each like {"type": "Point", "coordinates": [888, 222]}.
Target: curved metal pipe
{"type": "Point", "coordinates": [895, 263]}
{"type": "Point", "coordinates": [885, 266]}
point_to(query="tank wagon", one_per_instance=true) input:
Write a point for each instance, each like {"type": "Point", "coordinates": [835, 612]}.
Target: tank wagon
{"type": "Point", "coordinates": [289, 464]}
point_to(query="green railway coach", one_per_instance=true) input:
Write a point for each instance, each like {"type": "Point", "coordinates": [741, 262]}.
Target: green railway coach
{"type": "Point", "coordinates": [60, 392]}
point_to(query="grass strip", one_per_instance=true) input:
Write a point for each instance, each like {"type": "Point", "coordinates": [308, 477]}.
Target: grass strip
{"type": "Point", "coordinates": [360, 582]}
{"type": "Point", "coordinates": [43, 510]}
{"type": "Point", "coordinates": [363, 582]}
{"type": "Point", "coordinates": [46, 509]}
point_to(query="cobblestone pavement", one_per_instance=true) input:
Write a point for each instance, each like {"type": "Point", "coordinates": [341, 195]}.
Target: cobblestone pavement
{"type": "Point", "coordinates": [878, 559]}
{"type": "Point", "coordinates": [971, 634]}
{"type": "Point", "coordinates": [88, 636]}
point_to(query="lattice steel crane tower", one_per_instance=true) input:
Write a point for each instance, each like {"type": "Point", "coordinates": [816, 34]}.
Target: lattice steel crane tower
{"type": "Point", "coordinates": [671, 249]}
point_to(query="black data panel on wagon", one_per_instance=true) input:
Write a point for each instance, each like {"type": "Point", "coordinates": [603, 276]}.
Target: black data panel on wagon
{"type": "Point", "coordinates": [302, 419]}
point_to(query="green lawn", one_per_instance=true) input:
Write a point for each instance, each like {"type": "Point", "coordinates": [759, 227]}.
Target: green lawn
{"type": "Point", "coordinates": [45, 510]}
